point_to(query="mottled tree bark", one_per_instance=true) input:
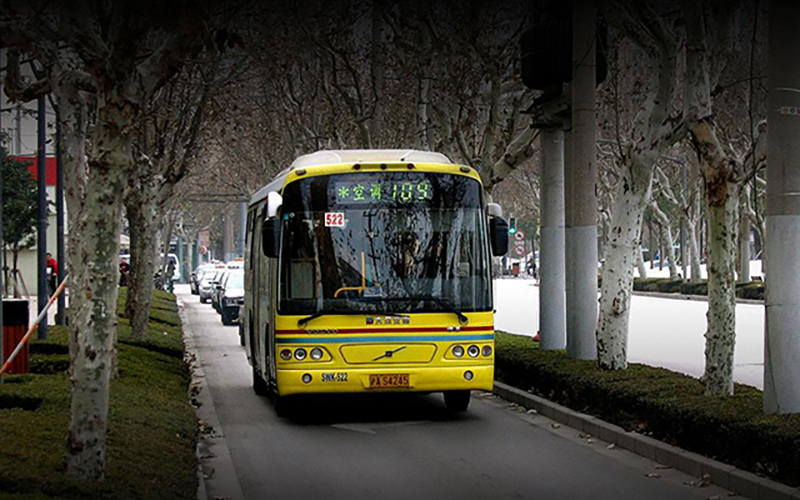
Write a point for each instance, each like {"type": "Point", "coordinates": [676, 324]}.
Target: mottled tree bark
{"type": "Point", "coordinates": [654, 132]}
{"type": "Point", "coordinates": [708, 42]}
{"type": "Point", "coordinates": [624, 242]}
{"type": "Point", "coordinates": [95, 276]}
{"type": "Point", "coordinates": [721, 332]}
{"type": "Point", "coordinates": [141, 209]}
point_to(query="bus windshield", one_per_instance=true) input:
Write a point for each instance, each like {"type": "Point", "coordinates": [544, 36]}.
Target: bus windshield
{"type": "Point", "coordinates": [384, 242]}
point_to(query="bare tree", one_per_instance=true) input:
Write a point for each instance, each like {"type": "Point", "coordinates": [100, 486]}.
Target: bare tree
{"type": "Point", "coordinates": [166, 146]}
{"type": "Point", "coordinates": [653, 131]}
{"type": "Point", "coordinates": [122, 53]}
{"type": "Point", "coordinates": [710, 41]}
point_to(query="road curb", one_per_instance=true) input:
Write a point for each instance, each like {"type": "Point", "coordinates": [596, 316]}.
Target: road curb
{"type": "Point", "coordinates": [721, 474]}
{"type": "Point", "coordinates": [213, 456]}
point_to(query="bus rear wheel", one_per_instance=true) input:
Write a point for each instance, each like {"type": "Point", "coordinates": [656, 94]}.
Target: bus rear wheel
{"type": "Point", "coordinates": [457, 401]}
{"type": "Point", "coordinates": [259, 386]}
{"type": "Point", "coordinates": [283, 405]}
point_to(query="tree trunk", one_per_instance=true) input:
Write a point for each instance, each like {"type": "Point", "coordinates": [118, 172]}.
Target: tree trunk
{"type": "Point", "coordinates": [633, 194]}
{"type": "Point", "coordinates": [640, 259]}
{"type": "Point", "coordinates": [744, 234]}
{"type": "Point", "coordinates": [669, 251]}
{"type": "Point", "coordinates": [74, 121]}
{"type": "Point", "coordinates": [695, 272]}
{"type": "Point", "coordinates": [142, 218]}
{"type": "Point", "coordinates": [721, 332]}
{"type": "Point", "coordinates": [95, 278]}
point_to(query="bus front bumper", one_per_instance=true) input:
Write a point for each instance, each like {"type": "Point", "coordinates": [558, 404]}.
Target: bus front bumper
{"type": "Point", "coordinates": [427, 379]}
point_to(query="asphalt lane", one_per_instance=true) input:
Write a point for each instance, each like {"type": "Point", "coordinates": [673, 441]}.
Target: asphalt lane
{"type": "Point", "coordinates": [408, 446]}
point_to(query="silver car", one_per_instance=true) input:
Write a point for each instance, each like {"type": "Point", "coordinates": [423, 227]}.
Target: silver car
{"type": "Point", "coordinates": [207, 283]}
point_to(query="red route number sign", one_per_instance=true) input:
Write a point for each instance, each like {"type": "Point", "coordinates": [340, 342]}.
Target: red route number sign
{"type": "Point", "coordinates": [334, 219]}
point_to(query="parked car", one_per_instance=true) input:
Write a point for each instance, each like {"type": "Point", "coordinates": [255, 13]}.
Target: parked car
{"type": "Point", "coordinates": [216, 292]}
{"type": "Point", "coordinates": [231, 296]}
{"type": "Point", "coordinates": [235, 263]}
{"type": "Point", "coordinates": [197, 274]}
{"type": "Point", "coordinates": [207, 284]}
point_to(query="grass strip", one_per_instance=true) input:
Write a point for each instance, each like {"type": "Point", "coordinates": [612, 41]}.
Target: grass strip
{"type": "Point", "coordinates": [666, 405]}
{"type": "Point", "coordinates": [152, 432]}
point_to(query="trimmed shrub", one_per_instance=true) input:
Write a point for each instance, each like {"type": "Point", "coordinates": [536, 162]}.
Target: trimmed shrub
{"type": "Point", "coordinates": [753, 290]}
{"type": "Point", "coordinates": [669, 285]}
{"type": "Point", "coordinates": [646, 284]}
{"type": "Point", "coordinates": [700, 288]}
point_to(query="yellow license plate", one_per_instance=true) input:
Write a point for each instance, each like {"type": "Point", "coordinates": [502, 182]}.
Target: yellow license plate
{"type": "Point", "coordinates": [395, 380]}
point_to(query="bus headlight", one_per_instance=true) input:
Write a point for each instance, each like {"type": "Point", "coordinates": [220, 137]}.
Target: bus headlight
{"type": "Point", "coordinates": [300, 354]}
{"type": "Point", "coordinates": [286, 354]}
{"type": "Point", "coordinates": [316, 354]}
{"type": "Point", "coordinates": [487, 350]}
{"type": "Point", "coordinates": [473, 351]}
{"type": "Point", "coordinates": [458, 351]}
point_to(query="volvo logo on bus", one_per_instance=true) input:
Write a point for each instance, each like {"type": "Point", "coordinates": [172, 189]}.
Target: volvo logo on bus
{"type": "Point", "coordinates": [388, 320]}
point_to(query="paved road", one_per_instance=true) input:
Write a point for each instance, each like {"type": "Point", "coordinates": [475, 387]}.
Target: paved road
{"type": "Point", "coordinates": [404, 446]}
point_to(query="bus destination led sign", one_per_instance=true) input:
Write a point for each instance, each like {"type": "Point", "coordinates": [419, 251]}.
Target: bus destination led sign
{"type": "Point", "coordinates": [350, 192]}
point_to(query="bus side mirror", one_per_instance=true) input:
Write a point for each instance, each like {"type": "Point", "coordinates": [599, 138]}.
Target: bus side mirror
{"type": "Point", "coordinates": [498, 230]}
{"type": "Point", "coordinates": [271, 237]}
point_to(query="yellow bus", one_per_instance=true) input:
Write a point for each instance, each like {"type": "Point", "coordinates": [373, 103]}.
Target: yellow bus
{"type": "Point", "coordinates": [369, 271]}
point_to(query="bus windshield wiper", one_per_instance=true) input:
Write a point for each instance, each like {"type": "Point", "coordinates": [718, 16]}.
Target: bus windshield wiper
{"type": "Point", "coordinates": [303, 321]}
{"type": "Point", "coordinates": [448, 304]}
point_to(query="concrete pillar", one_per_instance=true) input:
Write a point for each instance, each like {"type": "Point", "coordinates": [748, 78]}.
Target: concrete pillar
{"type": "Point", "coordinates": [552, 294]}
{"type": "Point", "coordinates": [581, 198]}
{"type": "Point", "coordinates": [782, 338]}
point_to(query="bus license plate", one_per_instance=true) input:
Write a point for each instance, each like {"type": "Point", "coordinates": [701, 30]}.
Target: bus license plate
{"type": "Point", "coordinates": [395, 380]}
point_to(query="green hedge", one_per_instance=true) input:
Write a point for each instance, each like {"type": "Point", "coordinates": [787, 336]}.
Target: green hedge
{"type": "Point", "coordinates": [666, 405]}
{"type": "Point", "coordinates": [663, 285]}
{"type": "Point", "coordinates": [753, 290]}
{"type": "Point", "coordinates": [152, 431]}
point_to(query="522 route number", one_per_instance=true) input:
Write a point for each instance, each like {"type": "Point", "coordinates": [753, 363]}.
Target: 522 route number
{"type": "Point", "coordinates": [334, 219]}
